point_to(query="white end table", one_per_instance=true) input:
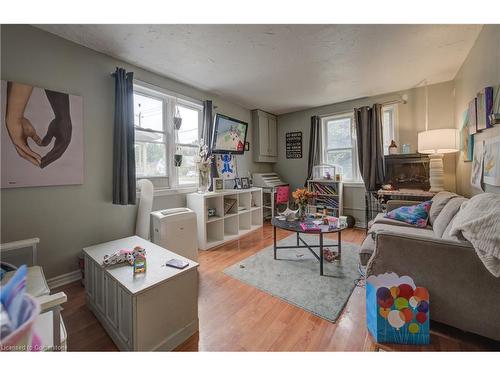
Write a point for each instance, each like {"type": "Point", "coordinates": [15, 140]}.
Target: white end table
{"type": "Point", "coordinates": [157, 310]}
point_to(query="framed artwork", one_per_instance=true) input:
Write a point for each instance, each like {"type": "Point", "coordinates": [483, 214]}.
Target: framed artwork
{"type": "Point", "coordinates": [245, 183]}
{"type": "Point", "coordinates": [42, 136]}
{"type": "Point", "coordinates": [293, 145]}
{"type": "Point", "coordinates": [473, 116]}
{"type": "Point", "coordinates": [226, 166]}
{"type": "Point", "coordinates": [237, 183]}
{"type": "Point", "coordinates": [477, 167]}
{"type": "Point", "coordinates": [484, 108]}
{"type": "Point", "coordinates": [247, 146]}
{"type": "Point", "coordinates": [492, 161]}
{"type": "Point", "coordinates": [218, 184]}
{"type": "Point", "coordinates": [466, 139]}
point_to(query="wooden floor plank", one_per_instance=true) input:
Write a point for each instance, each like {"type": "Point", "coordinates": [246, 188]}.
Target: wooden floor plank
{"type": "Point", "coordinates": [235, 316]}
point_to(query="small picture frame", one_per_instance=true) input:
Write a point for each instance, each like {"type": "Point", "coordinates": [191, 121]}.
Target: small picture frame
{"type": "Point", "coordinates": [247, 146]}
{"type": "Point", "coordinates": [245, 183]}
{"type": "Point", "coordinates": [218, 184]}
{"type": "Point", "coordinates": [237, 183]}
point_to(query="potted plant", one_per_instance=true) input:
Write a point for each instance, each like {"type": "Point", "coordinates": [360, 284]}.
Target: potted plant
{"type": "Point", "coordinates": [302, 198]}
{"type": "Point", "coordinates": [177, 119]}
{"type": "Point", "coordinates": [178, 157]}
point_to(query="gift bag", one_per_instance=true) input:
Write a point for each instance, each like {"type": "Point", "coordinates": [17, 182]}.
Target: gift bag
{"type": "Point", "coordinates": [397, 311]}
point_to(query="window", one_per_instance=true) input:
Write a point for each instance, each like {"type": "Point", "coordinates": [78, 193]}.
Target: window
{"type": "Point", "coordinates": [339, 140]}
{"type": "Point", "coordinates": [157, 140]}
{"type": "Point", "coordinates": [339, 145]}
{"type": "Point", "coordinates": [388, 126]}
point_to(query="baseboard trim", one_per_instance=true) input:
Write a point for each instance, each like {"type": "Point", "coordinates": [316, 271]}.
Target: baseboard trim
{"type": "Point", "coordinates": [64, 279]}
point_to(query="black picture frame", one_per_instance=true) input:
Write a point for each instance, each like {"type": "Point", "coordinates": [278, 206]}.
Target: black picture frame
{"type": "Point", "coordinates": [247, 146]}
{"type": "Point", "coordinates": [237, 183]}
{"type": "Point", "coordinates": [245, 183]}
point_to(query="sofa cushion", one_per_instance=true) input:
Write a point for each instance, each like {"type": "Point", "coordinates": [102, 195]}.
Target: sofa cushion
{"type": "Point", "coordinates": [381, 219]}
{"type": "Point", "coordinates": [368, 246]}
{"type": "Point", "coordinates": [447, 214]}
{"type": "Point", "coordinates": [415, 215]}
{"type": "Point", "coordinates": [405, 230]}
{"type": "Point", "coordinates": [438, 202]}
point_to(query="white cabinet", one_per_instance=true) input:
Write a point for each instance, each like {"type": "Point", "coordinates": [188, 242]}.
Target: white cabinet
{"type": "Point", "coordinates": [243, 217]}
{"type": "Point", "coordinates": [265, 137]}
{"type": "Point", "coordinates": [157, 310]}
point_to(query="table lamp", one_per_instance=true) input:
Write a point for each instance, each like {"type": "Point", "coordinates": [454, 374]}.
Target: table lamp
{"type": "Point", "coordinates": [436, 143]}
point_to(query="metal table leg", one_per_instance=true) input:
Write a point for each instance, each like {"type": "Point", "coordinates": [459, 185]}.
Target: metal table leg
{"type": "Point", "coordinates": [321, 253]}
{"type": "Point", "coordinates": [274, 236]}
{"type": "Point", "coordinates": [339, 244]}
{"type": "Point", "coordinates": [298, 239]}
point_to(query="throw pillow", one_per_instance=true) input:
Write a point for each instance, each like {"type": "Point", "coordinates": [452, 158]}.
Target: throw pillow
{"type": "Point", "coordinates": [415, 215]}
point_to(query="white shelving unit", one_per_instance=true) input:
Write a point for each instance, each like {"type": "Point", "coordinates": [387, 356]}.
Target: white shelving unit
{"type": "Point", "coordinates": [330, 195]}
{"type": "Point", "coordinates": [244, 217]}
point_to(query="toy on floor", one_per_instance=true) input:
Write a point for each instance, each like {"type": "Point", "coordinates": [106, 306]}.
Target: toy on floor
{"type": "Point", "coordinates": [122, 256]}
{"type": "Point", "coordinates": [329, 255]}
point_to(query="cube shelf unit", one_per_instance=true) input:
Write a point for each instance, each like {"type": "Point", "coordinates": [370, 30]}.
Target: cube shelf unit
{"type": "Point", "coordinates": [330, 195]}
{"type": "Point", "coordinates": [243, 217]}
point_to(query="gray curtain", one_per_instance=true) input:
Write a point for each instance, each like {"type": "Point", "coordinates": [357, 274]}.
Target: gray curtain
{"type": "Point", "coordinates": [370, 145]}
{"type": "Point", "coordinates": [124, 188]}
{"type": "Point", "coordinates": [207, 133]}
{"type": "Point", "coordinates": [314, 156]}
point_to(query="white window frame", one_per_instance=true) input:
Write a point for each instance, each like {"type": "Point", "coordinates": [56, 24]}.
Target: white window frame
{"type": "Point", "coordinates": [394, 126]}
{"type": "Point", "coordinates": [356, 176]}
{"type": "Point", "coordinates": [170, 100]}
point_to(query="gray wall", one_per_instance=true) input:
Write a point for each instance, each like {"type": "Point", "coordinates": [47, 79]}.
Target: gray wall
{"type": "Point", "coordinates": [67, 218]}
{"type": "Point", "coordinates": [480, 69]}
{"type": "Point", "coordinates": [411, 121]}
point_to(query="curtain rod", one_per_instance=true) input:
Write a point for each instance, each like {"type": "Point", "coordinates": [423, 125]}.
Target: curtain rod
{"type": "Point", "coordinates": [403, 100]}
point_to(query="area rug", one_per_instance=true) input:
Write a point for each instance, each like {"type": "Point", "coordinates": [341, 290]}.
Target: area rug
{"type": "Point", "coordinates": [295, 278]}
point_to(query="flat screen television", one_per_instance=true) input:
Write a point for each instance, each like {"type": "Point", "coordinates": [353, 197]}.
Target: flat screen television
{"type": "Point", "coordinates": [229, 135]}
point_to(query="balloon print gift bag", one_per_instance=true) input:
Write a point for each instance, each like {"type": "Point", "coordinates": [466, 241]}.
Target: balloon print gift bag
{"type": "Point", "coordinates": [397, 311]}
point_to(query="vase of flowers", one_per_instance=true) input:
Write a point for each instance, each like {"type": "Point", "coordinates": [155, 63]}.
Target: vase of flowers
{"type": "Point", "coordinates": [302, 198]}
{"type": "Point", "coordinates": [203, 163]}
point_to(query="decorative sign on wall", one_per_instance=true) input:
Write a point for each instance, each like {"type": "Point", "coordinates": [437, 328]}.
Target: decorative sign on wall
{"type": "Point", "coordinates": [294, 145]}
{"type": "Point", "coordinates": [42, 136]}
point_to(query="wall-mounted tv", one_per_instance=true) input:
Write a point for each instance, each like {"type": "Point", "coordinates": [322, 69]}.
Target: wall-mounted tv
{"type": "Point", "coordinates": [229, 135]}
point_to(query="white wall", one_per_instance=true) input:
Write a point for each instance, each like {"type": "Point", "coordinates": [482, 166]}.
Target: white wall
{"type": "Point", "coordinates": [67, 218]}
{"type": "Point", "coordinates": [480, 69]}
{"type": "Point", "coordinates": [411, 121]}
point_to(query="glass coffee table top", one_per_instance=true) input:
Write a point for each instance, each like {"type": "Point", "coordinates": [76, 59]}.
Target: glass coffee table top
{"type": "Point", "coordinates": [294, 226]}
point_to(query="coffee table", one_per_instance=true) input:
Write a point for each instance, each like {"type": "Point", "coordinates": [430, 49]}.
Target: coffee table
{"type": "Point", "coordinates": [294, 226]}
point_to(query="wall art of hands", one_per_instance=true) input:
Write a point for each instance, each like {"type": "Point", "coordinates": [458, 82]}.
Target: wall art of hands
{"type": "Point", "coordinates": [20, 128]}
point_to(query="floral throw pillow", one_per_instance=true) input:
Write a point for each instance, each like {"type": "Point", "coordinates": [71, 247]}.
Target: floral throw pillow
{"type": "Point", "coordinates": [415, 215]}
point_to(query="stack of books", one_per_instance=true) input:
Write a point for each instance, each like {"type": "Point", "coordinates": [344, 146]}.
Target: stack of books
{"type": "Point", "coordinates": [310, 227]}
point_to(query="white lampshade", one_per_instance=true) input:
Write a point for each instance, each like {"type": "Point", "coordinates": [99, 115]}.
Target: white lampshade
{"type": "Point", "coordinates": [438, 141]}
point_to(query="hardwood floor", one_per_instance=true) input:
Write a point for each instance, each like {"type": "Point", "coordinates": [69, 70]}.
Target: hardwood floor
{"type": "Point", "coordinates": [237, 317]}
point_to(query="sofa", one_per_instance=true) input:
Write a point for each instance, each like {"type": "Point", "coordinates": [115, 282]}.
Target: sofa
{"type": "Point", "coordinates": [463, 293]}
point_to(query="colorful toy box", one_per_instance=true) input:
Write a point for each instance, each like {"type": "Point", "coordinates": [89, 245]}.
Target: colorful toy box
{"type": "Point", "coordinates": [397, 311]}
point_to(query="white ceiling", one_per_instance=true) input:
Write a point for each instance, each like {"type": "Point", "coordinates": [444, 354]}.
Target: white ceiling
{"type": "Point", "coordinates": [283, 68]}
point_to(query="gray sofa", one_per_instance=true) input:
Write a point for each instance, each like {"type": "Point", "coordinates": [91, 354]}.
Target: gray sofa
{"type": "Point", "coordinates": [463, 293]}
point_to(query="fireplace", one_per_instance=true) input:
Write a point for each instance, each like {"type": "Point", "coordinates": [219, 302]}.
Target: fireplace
{"type": "Point", "coordinates": [407, 171]}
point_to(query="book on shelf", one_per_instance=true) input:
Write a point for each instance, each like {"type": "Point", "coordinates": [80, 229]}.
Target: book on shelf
{"type": "Point", "coordinates": [323, 189]}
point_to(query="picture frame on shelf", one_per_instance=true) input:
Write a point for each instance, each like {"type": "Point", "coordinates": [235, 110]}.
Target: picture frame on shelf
{"type": "Point", "coordinates": [218, 184]}
{"type": "Point", "coordinates": [245, 183]}
{"type": "Point", "coordinates": [237, 183]}
{"type": "Point", "coordinates": [247, 146]}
